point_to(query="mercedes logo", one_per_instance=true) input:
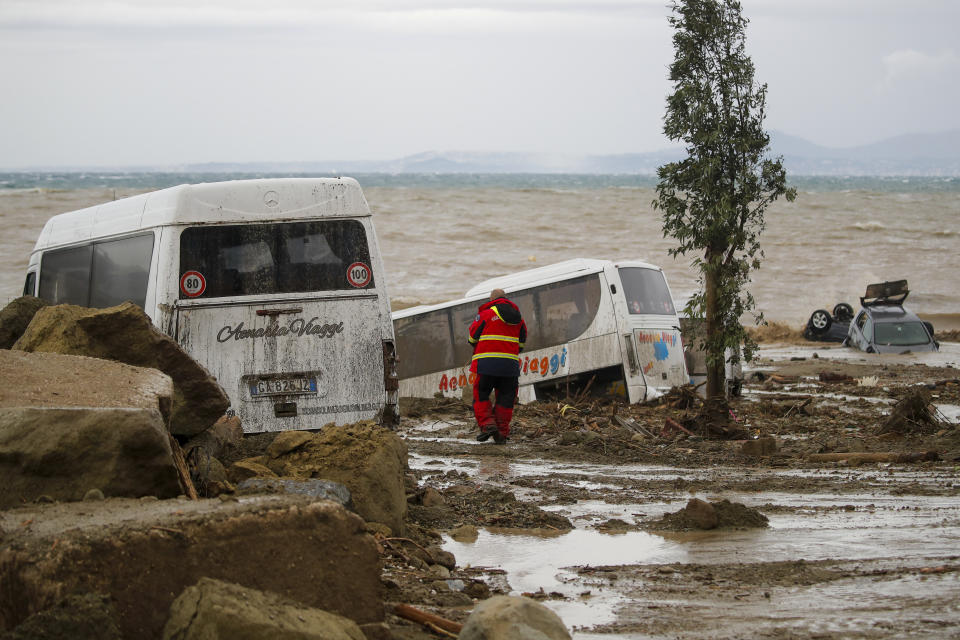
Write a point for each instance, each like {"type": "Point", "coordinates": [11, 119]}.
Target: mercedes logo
{"type": "Point", "coordinates": [271, 198]}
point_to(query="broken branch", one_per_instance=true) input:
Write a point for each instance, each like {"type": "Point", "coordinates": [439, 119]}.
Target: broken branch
{"type": "Point", "coordinates": [422, 617]}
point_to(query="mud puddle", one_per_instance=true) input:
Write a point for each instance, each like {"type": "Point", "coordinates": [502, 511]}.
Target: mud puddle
{"type": "Point", "coordinates": [856, 527]}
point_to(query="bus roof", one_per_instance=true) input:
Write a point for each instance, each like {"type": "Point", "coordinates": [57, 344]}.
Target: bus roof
{"type": "Point", "coordinates": [209, 203]}
{"type": "Point", "coordinates": [551, 273]}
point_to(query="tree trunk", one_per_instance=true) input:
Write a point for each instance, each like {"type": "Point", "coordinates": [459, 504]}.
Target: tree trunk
{"type": "Point", "coordinates": [716, 378]}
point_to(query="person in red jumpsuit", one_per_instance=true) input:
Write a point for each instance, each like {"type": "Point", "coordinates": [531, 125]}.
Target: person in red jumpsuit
{"type": "Point", "coordinates": [497, 335]}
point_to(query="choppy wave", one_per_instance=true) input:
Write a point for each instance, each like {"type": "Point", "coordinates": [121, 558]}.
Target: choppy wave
{"type": "Point", "coordinates": [562, 181]}
{"type": "Point", "coordinates": [440, 235]}
{"type": "Point", "coordinates": [870, 225]}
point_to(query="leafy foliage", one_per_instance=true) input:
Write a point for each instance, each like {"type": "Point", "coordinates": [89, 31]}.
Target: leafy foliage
{"type": "Point", "coordinates": [713, 201]}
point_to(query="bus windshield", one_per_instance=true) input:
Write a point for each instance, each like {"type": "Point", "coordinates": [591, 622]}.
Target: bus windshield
{"type": "Point", "coordinates": [237, 260]}
{"type": "Point", "coordinates": [646, 291]}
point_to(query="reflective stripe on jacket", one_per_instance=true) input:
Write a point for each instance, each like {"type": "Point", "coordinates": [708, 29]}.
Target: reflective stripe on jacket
{"type": "Point", "coordinates": [497, 336]}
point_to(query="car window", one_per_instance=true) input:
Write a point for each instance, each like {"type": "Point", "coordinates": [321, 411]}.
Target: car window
{"type": "Point", "coordinates": [901, 334]}
{"type": "Point", "coordinates": [861, 319]}
{"type": "Point", "coordinates": [867, 328]}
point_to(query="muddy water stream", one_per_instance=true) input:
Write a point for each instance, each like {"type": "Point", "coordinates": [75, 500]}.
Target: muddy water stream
{"type": "Point", "coordinates": [866, 526]}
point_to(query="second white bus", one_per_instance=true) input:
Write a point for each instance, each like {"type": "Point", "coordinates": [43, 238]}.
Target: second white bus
{"type": "Point", "coordinates": [610, 322]}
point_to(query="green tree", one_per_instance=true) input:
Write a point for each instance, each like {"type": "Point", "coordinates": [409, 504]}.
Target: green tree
{"type": "Point", "coordinates": [713, 201]}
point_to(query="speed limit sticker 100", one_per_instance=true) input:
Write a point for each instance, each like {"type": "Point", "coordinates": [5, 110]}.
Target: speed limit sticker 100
{"type": "Point", "coordinates": [358, 274]}
{"type": "Point", "coordinates": [193, 284]}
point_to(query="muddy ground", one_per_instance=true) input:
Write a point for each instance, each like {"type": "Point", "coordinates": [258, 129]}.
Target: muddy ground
{"type": "Point", "coordinates": [579, 508]}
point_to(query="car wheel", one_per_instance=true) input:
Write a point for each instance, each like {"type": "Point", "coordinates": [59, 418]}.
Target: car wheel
{"type": "Point", "coordinates": [820, 321]}
{"type": "Point", "coordinates": [843, 312]}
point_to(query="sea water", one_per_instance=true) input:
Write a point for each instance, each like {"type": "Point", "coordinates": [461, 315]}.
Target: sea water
{"type": "Point", "coordinates": [441, 234]}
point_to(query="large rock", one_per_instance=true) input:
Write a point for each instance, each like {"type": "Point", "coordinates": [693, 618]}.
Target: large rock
{"type": "Point", "coordinates": [124, 333]}
{"type": "Point", "coordinates": [54, 380]}
{"type": "Point", "coordinates": [215, 610]}
{"type": "Point", "coordinates": [367, 458]}
{"type": "Point", "coordinates": [64, 452]}
{"type": "Point", "coordinates": [86, 616]}
{"type": "Point", "coordinates": [15, 317]}
{"type": "Point", "coordinates": [144, 554]}
{"type": "Point", "coordinates": [513, 618]}
{"type": "Point", "coordinates": [313, 487]}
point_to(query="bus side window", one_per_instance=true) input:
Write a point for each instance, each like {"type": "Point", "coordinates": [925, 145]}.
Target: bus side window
{"type": "Point", "coordinates": [65, 276]}
{"type": "Point", "coordinates": [28, 286]}
{"type": "Point", "coordinates": [121, 271]}
{"type": "Point", "coordinates": [567, 309]}
{"type": "Point", "coordinates": [424, 344]}
{"type": "Point", "coordinates": [462, 316]}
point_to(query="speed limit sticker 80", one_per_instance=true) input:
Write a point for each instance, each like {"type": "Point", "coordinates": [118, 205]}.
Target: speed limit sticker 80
{"type": "Point", "coordinates": [193, 284]}
{"type": "Point", "coordinates": [358, 274]}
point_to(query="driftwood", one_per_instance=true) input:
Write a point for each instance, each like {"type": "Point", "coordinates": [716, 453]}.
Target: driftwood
{"type": "Point", "coordinates": [422, 617]}
{"type": "Point", "coordinates": [918, 456]}
{"type": "Point", "coordinates": [183, 473]}
{"type": "Point", "coordinates": [673, 424]}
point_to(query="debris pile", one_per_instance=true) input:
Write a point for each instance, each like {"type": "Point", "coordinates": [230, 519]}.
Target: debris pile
{"type": "Point", "coordinates": [703, 515]}
{"type": "Point", "coordinates": [912, 414]}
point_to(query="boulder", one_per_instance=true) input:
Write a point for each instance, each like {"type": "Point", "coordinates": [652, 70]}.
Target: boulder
{"type": "Point", "coordinates": [249, 468]}
{"type": "Point", "coordinates": [65, 452]}
{"type": "Point", "coordinates": [511, 618]}
{"type": "Point", "coordinates": [287, 441]}
{"type": "Point", "coordinates": [125, 334]}
{"type": "Point", "coordinates": [367, 458]}
{"type": "Point", "coordinates": [315, 553]}
{"type": "Point", "coordinates": [313, 487]}
{"type": "Point", "coordinates": [15, 317]}
{"type": "Point", "coordinates": [212, 609]}
{"type": "Point", "coordinates": [432, 498]}
{"type": "Point", "coordinates": [86, 616]}
{"type": "Point", "coordinates": [219, 440]}
{"type": "Point", "coordinates": [54, 380]}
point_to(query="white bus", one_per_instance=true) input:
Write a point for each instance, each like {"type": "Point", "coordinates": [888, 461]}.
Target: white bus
{"type": "Point", "coordinates": [276, 286]}
{"type": "Point", "coordinates": [613, 323]}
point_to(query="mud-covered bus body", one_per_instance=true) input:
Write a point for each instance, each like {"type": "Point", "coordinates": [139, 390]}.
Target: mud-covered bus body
{"type": "Point", "coordinates": [612, 323]}
{"type": "Point", "coordinates": [276, 286]}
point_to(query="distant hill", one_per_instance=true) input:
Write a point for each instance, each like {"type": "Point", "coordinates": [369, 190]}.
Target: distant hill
{"type": "Point", "coordinates": [907, 155]}
{"type": "Point", "coordinates": [931, 154]}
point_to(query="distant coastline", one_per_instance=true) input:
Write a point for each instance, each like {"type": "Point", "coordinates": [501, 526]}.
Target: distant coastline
{"type": "Point", "coordinates": [149, 180]}
{"type": "Point", "coordinates": [920, 155]}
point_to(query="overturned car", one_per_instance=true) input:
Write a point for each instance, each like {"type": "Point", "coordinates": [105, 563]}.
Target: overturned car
{"type": "Point", "coordinates": [883, 324]}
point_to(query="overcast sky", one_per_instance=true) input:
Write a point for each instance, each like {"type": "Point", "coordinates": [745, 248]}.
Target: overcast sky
{"type": "Point", "coordinates": [141, 82]}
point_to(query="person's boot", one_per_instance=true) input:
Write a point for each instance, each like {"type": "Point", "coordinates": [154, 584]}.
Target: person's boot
{"type": "Point", "coordinates": [502, 416]}
{"type": "Point", "coordinates": [483, 412]}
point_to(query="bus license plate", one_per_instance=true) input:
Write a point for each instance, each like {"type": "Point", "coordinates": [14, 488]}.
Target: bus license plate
{"type": "Point", "coordinates": [282, 386]}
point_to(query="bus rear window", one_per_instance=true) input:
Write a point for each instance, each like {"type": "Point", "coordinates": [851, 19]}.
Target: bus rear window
{"type": "Point", "coordinates": [294, 257]}
{"type": "Point", "coordinates": [646, 291]}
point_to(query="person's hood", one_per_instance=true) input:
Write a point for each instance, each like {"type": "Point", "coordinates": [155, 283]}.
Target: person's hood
{"type": "Point", "coordinates": [505, 310]}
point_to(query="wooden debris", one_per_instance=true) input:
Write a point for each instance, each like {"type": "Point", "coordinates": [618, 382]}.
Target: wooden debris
{"type": "Point", "coordinates": [673, 424]}
{"type": "Point", "coordinates": [183, 472]}
{"type": "Point", "coordinates": [422, 617]}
